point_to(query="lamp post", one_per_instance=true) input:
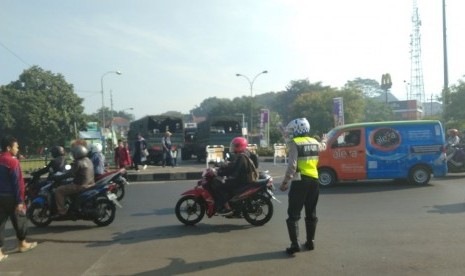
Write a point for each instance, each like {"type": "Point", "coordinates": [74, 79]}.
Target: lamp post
{"type": "Point", "coordinates": [129, 108]}
{"type": "Point", "coordinates": [103, 107]}
{"type": "Point", "coordinates": [103, 99]}
{"type": "Point", "coordinates": [251, 82]}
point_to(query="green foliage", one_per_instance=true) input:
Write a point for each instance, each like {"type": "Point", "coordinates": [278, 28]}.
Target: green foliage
{"type": "Point", "coordinates": [42, 110]}
{"type": "Point", "coordinates": [454, 111]}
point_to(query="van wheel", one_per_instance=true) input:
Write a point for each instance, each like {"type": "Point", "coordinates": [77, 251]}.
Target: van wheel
{"type": "Point", "coordinates": [326, 177]}
{"type": "Point", "coordinates": [419, 175]}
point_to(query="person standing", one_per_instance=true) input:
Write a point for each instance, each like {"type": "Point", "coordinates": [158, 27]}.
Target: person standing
{"type": "Point", "coordinates": [12, 196]}
{"type": "Point", "coordinates": [304, 190]}
{"type": "Point", "coordinates": [122, 158]}
{"type": "Point", "coordinates": [140, 146]}
{"type": "Point", "coordinates": [166, 146]}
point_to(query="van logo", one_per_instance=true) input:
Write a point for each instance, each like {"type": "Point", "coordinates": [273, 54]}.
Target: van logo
{"type": "Point", "coordinates": [385, 139]}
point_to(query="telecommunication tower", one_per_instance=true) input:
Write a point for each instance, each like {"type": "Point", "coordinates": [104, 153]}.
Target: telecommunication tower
{"type": "Point", "coordinates": [417, 90]}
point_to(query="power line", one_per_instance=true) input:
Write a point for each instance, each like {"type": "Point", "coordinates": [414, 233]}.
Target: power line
{"type": "Point", "coordinates": [14, 54]}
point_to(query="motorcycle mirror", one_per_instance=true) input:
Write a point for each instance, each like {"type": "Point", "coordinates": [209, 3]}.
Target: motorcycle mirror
{"type": "Point", "coordinates": [67, 167]}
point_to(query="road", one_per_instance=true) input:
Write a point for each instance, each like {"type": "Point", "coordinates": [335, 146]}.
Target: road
{"type": "Point", "coordinates": [377, 228]}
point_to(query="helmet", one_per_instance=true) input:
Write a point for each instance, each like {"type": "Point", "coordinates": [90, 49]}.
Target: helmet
{"type": "Point", "coordinates": [298, 127]}
{"type": "Point", "coordinates": [97, 147]}
{"type": "Point", "coordinates": [238, 145]}
{"type": "Point", "coordinates": [57, 151]}
{"type": "Point", "coordinates": [79, 152]}
{"type": "Point", "coordinates": [453, 131]}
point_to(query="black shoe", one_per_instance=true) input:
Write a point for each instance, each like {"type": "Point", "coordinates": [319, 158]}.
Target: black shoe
{"type": "Point", "coordinates": [309, 245]}
{"type": "Point", "coordinates": [293, 249]}
{"type": "Point", "coordinates": [225, 212]}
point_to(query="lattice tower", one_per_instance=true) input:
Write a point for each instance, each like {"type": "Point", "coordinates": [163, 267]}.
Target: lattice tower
{"type": "Point", "coordinates": [417, 90]}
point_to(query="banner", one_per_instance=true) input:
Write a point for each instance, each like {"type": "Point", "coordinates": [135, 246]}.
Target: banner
{"type": "Point", "coordinates": [338, 111]}
{"type": "Point", "coordinates": [264, 127]}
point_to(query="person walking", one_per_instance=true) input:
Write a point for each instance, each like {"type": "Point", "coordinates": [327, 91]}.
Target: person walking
{"type": "Point", "coordinates": [304, 190]}
{"type": "Point", "coordinates": [140, 152]}
{"type": "Point", "coordinates": [12, 196]}
{"type": "Point", "coordinates": [166, 146]}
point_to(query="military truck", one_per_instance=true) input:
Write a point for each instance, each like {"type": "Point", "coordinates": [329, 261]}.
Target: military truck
{"type": "Point", "coordinates": [153, 128]}
{"type": "Point", "coordinates": [216, 130]}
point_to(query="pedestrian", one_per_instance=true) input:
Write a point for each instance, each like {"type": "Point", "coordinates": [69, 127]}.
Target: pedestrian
{"type": "Point", "coordinates": [140, 152]}
{"type": "Point", "coordinates": [166, 146]}
{"type": "Point", "coordinates": [122, 157]}
{"type": "Point", "coordinates": [304, 189]}
{"type": "Point", "coordinates": [12, 196]}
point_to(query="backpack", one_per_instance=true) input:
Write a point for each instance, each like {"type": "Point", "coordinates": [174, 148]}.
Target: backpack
{"type": "Point", "coordinates": [252, 174]}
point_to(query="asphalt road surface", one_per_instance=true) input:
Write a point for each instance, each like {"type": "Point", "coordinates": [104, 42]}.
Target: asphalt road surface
{"type": "Point", "coordinates": [376, 228]}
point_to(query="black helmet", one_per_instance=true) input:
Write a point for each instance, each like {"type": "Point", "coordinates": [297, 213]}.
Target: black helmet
{"type": "Point", "coordinates": [57, 151]}
{"type": "Point", "coordinates": [79, 152]}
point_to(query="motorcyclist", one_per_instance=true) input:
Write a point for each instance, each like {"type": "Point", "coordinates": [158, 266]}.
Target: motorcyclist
{"type": "Point", "coordinates": [82, 172]}
{"type": "Point", "coordinates": [236, 172]}
{"type": "Point", "coordinates": [453, 139]}
{"type": "Point", "coordinates": [57, 164]}
{"type": "Point", "coordinates": [98, 160]}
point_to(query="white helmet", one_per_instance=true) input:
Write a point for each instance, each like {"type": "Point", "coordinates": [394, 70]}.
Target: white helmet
{"type": "Point", "coordinates": [97, 147]}
{"type": "Point", "coordinates": [298, 127]}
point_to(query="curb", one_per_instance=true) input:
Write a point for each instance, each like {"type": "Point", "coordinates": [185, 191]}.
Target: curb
{"type": "Point", "coordinates": [164, 176]}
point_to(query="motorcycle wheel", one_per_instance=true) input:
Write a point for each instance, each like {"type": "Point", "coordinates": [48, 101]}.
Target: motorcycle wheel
{"type": "Point", "coordinates": [120, 190]}
{"type": "Point", "coordinates": [258, 210]}
{"type": "Point", "coordinates": [106, 211]}
{"type": "Point", "coordinates": [190, 210]}
{"type": "Point", "coordinates": [39, 215]}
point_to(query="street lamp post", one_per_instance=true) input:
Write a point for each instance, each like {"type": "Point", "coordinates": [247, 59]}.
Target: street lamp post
{"type": "Point", "coordinates": [251, 82]}
{"type": "Point", "coordinates": [129, 108]}
{"type": "Point", "coordinates": [103, 105]}
{"type": "Point", "coordinates": [103, 98]}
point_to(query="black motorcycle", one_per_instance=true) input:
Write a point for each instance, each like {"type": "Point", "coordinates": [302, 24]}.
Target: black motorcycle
{"type": "Point", "coordinates": [97, 203]}
{"type": "Point", "coordinates": [456, 159]}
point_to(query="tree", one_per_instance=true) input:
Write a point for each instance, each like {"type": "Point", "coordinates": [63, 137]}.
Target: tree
{"type": "Point", "coordinates": [454, 114]}
{"type": "Point", "coordinates": [43, 109]}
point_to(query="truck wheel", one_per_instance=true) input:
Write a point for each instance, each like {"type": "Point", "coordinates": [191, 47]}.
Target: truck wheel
{"type": "Point", "coordinates": [419, 175]}
{"type": "Point", "coordinates": [326, 177]}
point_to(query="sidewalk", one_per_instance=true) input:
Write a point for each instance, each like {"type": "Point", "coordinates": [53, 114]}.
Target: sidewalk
{"type": "Point", "coordinates": [188, 170]}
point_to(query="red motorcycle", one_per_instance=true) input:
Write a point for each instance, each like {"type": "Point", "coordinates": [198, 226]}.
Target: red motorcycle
{"type": "Point", "coordinates": [117, 177]}
{"type": "Point", "coordinates": [253, 201]}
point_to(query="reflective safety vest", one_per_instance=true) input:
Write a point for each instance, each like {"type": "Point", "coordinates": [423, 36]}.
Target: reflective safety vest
{"type": "Point", "coordinates": [307, 156]}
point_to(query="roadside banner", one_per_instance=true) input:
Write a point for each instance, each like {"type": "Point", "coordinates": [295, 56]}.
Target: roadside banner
{"type": "Point", "coordinates": [338, 111]}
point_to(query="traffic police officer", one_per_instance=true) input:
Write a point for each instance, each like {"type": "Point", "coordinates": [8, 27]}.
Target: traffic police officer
{"type": "Point", "coordinates": [304, 190]}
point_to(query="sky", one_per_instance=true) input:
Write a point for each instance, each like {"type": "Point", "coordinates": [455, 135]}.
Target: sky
{"type": "Point", "coordinates": [175, 54]}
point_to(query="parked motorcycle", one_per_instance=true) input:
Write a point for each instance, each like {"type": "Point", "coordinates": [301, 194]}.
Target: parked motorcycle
{"type": "Point", "coordinates": [456, 159]}
{"type": "Point", "coordinates": [116, 176]}
{"type": "Point", "coordinates": [97, 203]}
{"type": "Point", "coordinates": [253, 201]}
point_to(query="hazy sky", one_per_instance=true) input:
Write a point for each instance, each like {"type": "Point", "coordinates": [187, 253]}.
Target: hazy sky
{"type": "Point", "coordinates": [174, 54]}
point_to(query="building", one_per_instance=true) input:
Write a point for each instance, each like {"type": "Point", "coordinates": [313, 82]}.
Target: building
{"type": "Point", "coordinates": [407, 110]}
